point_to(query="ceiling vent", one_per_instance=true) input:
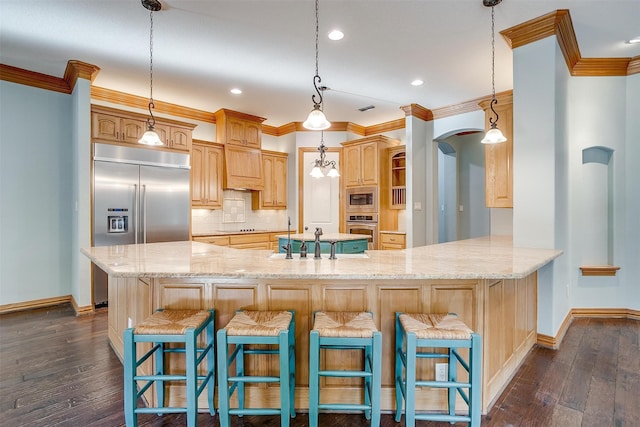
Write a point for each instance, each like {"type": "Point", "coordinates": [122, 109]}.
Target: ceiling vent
{"type": "Point", "coordinates": [368, 107]}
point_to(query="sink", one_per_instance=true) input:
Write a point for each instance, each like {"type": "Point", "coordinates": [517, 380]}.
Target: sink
{"type": "Point", "coordinates": [324, 256]}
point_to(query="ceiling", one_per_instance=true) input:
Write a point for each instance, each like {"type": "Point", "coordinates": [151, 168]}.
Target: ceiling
{"type": "Point", "coordinates": [266, 48]}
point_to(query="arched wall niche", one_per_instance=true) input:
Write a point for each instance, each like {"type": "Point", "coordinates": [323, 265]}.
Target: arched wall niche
{"type": "Point", "coordinates": [597, 191]}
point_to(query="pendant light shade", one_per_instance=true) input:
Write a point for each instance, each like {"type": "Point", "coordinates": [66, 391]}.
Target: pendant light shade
{"type": "Point", "coordinates": [150, 137]}
{"type": "Point", "coordinates": [494, 135]}
{"type": "Point", "coordinates": [316, 119]}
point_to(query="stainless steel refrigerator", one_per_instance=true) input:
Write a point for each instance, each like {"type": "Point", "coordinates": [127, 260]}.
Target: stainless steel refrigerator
{"type": "Point", "coordinates": [139, 196]}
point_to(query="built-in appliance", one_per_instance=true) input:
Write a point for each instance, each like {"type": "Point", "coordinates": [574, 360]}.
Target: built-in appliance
{"type": "Point", "coordinates": [362, 199]}
{"type": "Point", "coordinates": [139, 196]}
{"type": "Point", "coordinates": [365, 224]}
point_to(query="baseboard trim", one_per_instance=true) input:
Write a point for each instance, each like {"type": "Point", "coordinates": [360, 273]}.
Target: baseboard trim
{"type": "Point", "coordinates": [611, 313]}
{"type": "Point", "coordinates": [80, 311]}
{"type": "Point", "coordinates": [28, 305]}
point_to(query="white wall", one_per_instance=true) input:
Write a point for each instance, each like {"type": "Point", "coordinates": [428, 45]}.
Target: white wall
{"type": "Point", "coordinates": [36, 166]}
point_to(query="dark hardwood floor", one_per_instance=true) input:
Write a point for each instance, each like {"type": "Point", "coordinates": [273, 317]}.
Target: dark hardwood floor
{"type": "Point", "coordinates": [57, 369]}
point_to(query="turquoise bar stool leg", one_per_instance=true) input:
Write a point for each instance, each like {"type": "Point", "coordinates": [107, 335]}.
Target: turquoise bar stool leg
{"type": "Point", "coordinates": [418, 336]}
{"type": "Point", "coordinates": [223, 379]}
{"type": "Point", "coordinates": [314, 377]}
{"type": "Point", "coordinates": [335, 331]}
{"type": "Point", "coordinates": [130, 392]}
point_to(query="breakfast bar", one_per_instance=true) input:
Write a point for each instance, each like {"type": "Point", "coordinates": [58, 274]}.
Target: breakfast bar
{"type": "Point", "coordinates": [488, 282]}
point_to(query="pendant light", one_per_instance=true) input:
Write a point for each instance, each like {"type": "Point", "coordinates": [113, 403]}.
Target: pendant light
{"type": "Point", "coordinates": [494, 135]}
{"type": "Point", "coordinates": [150, 137]}
{"type": "Point", "coordinates": [322, 163]}
{"type": "Point", "coordinates": [316, 119]}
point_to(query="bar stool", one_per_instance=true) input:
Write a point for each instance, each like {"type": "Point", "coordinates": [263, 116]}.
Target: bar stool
{"type": "Point", "coordinates": [433, 331]}
{"type": "Point", "coordinates": [163, 327]}
{"type": "Point", "coordinates": [256, 328]}
{"type": "Point", "coordinates": [346, 331]}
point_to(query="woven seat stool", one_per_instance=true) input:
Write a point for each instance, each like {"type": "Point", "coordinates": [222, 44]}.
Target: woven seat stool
{"type": "Point", "coordinates": [251, 328]}
{"type": "Point", "coordinates": [161, 328]}
{"type": "Point", "coordinates": [346, 331]}
{"type": "Point", "coordinates": [418, 336]}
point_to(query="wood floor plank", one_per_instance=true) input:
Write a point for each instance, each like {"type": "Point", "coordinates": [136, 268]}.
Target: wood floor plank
{"type": "Point", "coordinates": [57, 369]}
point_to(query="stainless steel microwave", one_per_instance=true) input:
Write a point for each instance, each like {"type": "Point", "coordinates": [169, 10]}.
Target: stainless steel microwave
{"type": "Point", "coordinates": [362, 199]}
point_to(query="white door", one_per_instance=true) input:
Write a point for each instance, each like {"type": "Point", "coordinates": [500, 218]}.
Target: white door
{"type": "Point", "coordinates": [321, 196]}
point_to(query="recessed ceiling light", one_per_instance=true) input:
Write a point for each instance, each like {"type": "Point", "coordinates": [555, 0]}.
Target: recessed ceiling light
{"type": "Point", "coordinates": [235, 91]}
{"type": "Point", "coordinates": [417, 82]}
{"type": "Point", "coordinates": [336, 35]}
{"type": "Point", "coordinates": [634, 40]}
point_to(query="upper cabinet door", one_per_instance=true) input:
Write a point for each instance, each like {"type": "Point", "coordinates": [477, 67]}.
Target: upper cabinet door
{"type": "Point", "coordinates": [499, 159]}
{"type": "Point", "coordinates": [369, 163]}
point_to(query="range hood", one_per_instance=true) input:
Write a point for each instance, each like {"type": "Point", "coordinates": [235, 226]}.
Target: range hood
{"type": "Point", "coordinates": [243, 168]}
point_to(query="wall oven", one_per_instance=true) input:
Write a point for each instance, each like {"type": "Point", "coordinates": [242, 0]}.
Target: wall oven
{"type": "Point", "coordinates": [362, 199]}
{"type": "Point", "coordinates": [365, 225]}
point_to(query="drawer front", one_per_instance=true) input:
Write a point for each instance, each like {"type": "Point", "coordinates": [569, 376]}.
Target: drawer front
{"type": "Point", "coordinates": [242, 239]}
{"type": "Point", "coordinates": [354, 246]}
{"type": "Point", "coordinates": [394, 239]}
{"type": "Point", "coordinates": [214, 240]}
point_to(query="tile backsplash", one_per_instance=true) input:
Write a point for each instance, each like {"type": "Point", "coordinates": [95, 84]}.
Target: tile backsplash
{"type": "Point", "coordinates": [236, 216]}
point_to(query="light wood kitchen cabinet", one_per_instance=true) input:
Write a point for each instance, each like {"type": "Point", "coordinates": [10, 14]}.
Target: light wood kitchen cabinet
{"type": "Point", "coordinates": [123, 127]}
{"type": "Point", "coordinates": [235, 128]}
{"type": "Point", "coordinates": [250, 241]}
{"type": "Point", "coordinates": [213, 240]}
{"type": "Point", "coordinates": [362, 160]}
{"type": "Point", "coordinates": [108, 127]}
{"type": "Point", "coordinates": [274, 195]}
{"type": "Point", "coordinates": [206, 175]}
{"type": "Point", "coordinates": [389, 240]}
{"type": "Point", "coordinates": [499, 157]}
{"type": "Point", "coordinates": [398, 177]}
{"type": "Point", "coordinates": [243, 168]}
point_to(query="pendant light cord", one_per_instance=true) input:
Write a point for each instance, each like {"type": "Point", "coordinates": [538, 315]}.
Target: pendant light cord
{"type": "Point", "coordinates": [316, 78]}
{"type": "Point", "coordinates": [152, 121]}
{"type": "Point", "coordinates": [492, 122]}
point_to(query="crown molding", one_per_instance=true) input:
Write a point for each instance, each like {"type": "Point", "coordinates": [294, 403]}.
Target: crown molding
{"type": "Point", "coordinates": [33, 79]}
{"type": "Point", "coordinates": [135, 101]}
{"type": "Point", "coordinates": [75, 70]}
{"type": "Point", "coordinates": [417, 111]}
{"type": "Point", "coordinates": [559, 23]}
{"type": "Point", "coordinates": [79, 70]}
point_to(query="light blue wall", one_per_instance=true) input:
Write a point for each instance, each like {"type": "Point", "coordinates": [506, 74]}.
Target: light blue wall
{"type": "Point", "coordinates": [35, 193]}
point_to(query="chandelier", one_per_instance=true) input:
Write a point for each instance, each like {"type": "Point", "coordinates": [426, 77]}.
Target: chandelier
{"type": "Point", "coordinates": [322, 163]}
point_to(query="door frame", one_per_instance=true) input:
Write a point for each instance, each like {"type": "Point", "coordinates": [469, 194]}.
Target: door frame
{"type": "Point", "coordinates": [301, 151]}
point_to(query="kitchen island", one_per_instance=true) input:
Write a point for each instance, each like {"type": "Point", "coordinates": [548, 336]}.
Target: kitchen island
{"type": "Point", "coordinates": [490, 284]}
{"type": "Point", "coordinates": [345, 243]}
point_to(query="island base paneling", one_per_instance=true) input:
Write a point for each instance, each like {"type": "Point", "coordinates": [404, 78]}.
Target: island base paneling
{"type": "Point", "coordinates": [502, 311]}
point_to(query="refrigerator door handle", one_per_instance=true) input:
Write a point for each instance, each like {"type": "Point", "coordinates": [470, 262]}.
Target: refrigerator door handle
{"type": "Point", "coordinates": [136, 219]}
{"type": "Point", "coordinates": [144, 213]}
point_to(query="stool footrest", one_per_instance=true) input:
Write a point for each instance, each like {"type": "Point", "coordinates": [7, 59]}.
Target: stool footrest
{"type": "Point", "coordinates": [344, 406]}
{"type": "Point", "coordinates": [254, 379]}
{"type": "Point", "coordinates": [255, 411]}
{"type": "Point", "coordinates": [442, 384]}
{"type": "Point", "coordinates": [443, 418]}
{"type": "Point", "coordinates": [162, 410]}
{"type": "Point", "coordinates": [346, 374]}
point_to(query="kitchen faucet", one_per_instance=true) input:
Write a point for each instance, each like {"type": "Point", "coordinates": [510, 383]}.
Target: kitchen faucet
{"type": "Point", "coordinates": [316, 249]}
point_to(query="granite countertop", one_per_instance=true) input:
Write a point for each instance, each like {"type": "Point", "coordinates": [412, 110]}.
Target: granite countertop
{"type": "Point", "coordinates": [481, 258]}
{"type": "Point", "coordinates": [393, 232]}
{"type": "Point", "coordinates": [326, 237]}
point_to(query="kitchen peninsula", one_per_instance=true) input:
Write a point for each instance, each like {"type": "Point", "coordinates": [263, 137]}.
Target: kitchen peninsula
{"type": "Point", "coordinates": [489, 283]}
